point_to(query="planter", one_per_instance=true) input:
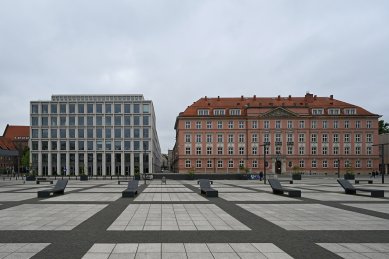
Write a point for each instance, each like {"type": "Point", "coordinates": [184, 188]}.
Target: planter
{"type": "Point", "coordinates": [296, 176]}
{"type": "Point", "coordinates": [349, 177]}
{"type": "Point", "coordinates": [83, 178]}
{"type": "Point", "coordinates": [30, 178]}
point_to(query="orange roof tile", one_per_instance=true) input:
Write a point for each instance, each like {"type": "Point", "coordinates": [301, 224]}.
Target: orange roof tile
{"type": "Point", "coordinates": [309, 101]}
{"type": "Point", "coordinates": [13, 132]}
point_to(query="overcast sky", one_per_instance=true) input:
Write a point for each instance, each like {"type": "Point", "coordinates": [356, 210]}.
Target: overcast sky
{"type": "Point", "coordinates": [175, 52]}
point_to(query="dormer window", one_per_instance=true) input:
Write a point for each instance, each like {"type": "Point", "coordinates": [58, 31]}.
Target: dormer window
{"type": "Point", "coordinates": [203, 112]}
{"type": "Point", "coordinates": [350, 111]}
{"type": "Point", "coordinates": [317, 111]}
{"type": "Point", "coordinates": [234, 112]}
{"type": "Point", "coordinates": [333, 111]}
{"type": "Point", "coordinates": [219, 112]}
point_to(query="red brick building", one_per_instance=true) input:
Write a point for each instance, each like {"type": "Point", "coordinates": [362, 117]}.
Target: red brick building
{"type": "Point", "coordinates": [12, 144]}
{"type": "Point", "coordinates": [228, 135]}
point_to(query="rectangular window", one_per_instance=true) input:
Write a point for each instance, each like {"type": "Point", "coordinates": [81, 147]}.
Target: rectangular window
{"type": "Point", "coordinates": [136, 145]}
{"type": "Point", "coordinates": [89, 107]}
{"type": "Point", "coordinates": [357, 138]}
{"type": "Point", "coordinates": [108, 145]}
{"type": "Point", "coordinates": [302, 124]}
{"type": "Point", "coordinates": [314, 138]}
{"type": "Point", "coordinates": [107, 132]}
{"type": "Point", "coordinates": [357, 124]}
{"type": "Point", "coordinates": [350, 111]}
{"type": "Point", "coordinates": [266, 124]}
{"type": "Point", "coordinates": [230, 124]}
{"type": "Point", "coordinates": [357, 150]}
{"type": "Point", "coordinates": [220, 164]}
{"type": "Point", "coordinates": [254, 124]}
{"type": "Point", "coordinates": [313, 164]}
{"type": "Point", "coordinates": [53, 133]}
{"type": "Point", "coordinates": [220, 150]}
{"type": "Point", "coordinates": [336, 138]}
{"type": "Point", "coordinates": [230, 150]}
{"type": "Point", "coordinates": [136, 133]}
{"type": "Point", "coordinates": [209, 124]}
{"type": "Point", "coordinates": [209, 138]}
{"type": "Point", "coordinates": [346, 124]}
{"type": "Point", "coordinates": [118, 121]}
{"type": "Point", "coordinates": [202, 112]}
{"type": "Point", "coordinates": [45, 121]}
{"type": "Point", "coordinates": [347, 137]}
{"type": "Point", "coordinates": [368, 150]}
{"type": "Point", "coordinates": [241, 150]}
{"type": "Point", "coordinates": [81, 108]}
{"type": "Point", "coordinates": [369, 138]}
{"type": "Point", "coordinates": [53, 108]}
{"type": "Point", "coordinates": [234, 112]}
{"type": "Point", "coordinates": [314, 150]}
{"type": "Point", "coordinates": [118, 108]}
{"type": "Point", "coordinates": [198, 124]}
{"type": "Point", "coordinates": [209, 150]}
{"type": "Point", "coordinates": [72, 133]}
{"type": "Point", "coordinates": [34, 121]}
{"type": "Point", "coordinates": [290, 124]}
{"type": "Point", "coordinates": [219, 124]}
{"type": "Point", "coordinates": [368, 124]}
{"type": "Point", "coordinates": [62, 121]}
{"type": "Point", "coordinates": [145, 145]}
{"type": "Point", "coordinates": [254, 138]}
{"type": "Point", "coordinates": [230, 138]}
{"type": "Point", "coordinates": [220, 138]}
{"type": "Point", "coordinates": [333, 111]}
{"type": "Point", "coordinates": [81, 121]}
{"type": "Point", "coordinates": [127, 145]}
{"type": "Point", "coordinates": [54, 145]}
{"type": "Point", "coordinates": [255, 164]}
{"type": "Point", "coordinates": [241, 138]}
{"type": "Point", "coordinates": [290, 150]}
{"type": "Point", "coordinates": [89, 132]}
{"type": "Point", "coordinates": [118, 132]}
{"type": "Point", "coordinates": [188, 138]}
{"type": "Point", "coordinates": [198, 138]}
{"type": "Point", "coordinates": [301, 151]}
{"type": "Point", "coordinates": [313, 124]}
{"type": "Point", "coordinates": [187, 163]}
{"type": "Point", "coordinates": [136, 108]}
{"type": "Point", "coordinates": [118, 145]}
{"type": "Point", "coordinates": [81, 133]}
{"type": "Point", "coordinates": [317, 111]}
{"type": "Point", "coordinates": [278, 124]}
{"type": "Point", "coordinates": [127, 108]}
{"type": "Point", "coordinates": [146, 108]}
{"type": "Point", "coordinates": [325, 150]}
{"type": "Point", "coordinates": [108, 108]}
{"type": "Point", "coordinates": [187, 124]}
{"type": "Point", "coordinates": [254, 150]}
{"type": "Point", "coordinates": [230, 163]}
{"type": "Point", "coordinates": [290, 137]}
{"type": "Point", "coordinates": [241, 124]}
{"type": "Point", "coordinates": [302, 163]}
{"type": "Point", "coordinates": [137, 120]}
{"type": "Point", "coordinates": [266, 138]}
{"type": "Point", "coordinates": [62, 108]}
{"type": "Point", "coordinates": [198, 163]}
{"type": "Point", "coordinates": [278, 137]}
{"type": "Point", "coordinates": [335, 151]}
{"type": "Point", "coordinates": [89, 120]}
{"type": "Point", "coordinates": [219, 112]}
{"type": "Point", "coordinates": [325, 124]}
{"type": "Point", "coordinates": [301, 137]}
{"type": "Point", "coordinates": [127, 133]}
{"type": "Point", "coordinates": [72, 121]}
{"type": "Point", "coordinates": [324, 138]}
{"type": "Point", "coordinates": [325, 164]}
{"type": "Point", "coordinates": [336, 124]}
{"type": "Point", "coordinates": [187, 150]}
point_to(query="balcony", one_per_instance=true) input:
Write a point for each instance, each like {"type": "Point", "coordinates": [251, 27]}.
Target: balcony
{"type": "Point", "coordinates": [278, 143]}
{"type": "Point", "coordinates": [290, 143]}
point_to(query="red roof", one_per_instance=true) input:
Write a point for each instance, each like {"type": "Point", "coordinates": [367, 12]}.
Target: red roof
{"type": "Point", "coordinates": [6, 144]}
{"type": "Point", "coordinates": [13, 132]}
{"type": "Point", "coordinates": [308, 101]}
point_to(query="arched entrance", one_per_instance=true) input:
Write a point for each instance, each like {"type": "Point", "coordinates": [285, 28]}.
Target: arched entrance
{"type": "Point", "coordinates": [278, 167]}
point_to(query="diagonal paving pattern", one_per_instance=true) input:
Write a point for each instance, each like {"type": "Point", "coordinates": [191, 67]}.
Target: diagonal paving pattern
{"type": "Point", "coordinates": [358, 250]}
{"type": "Point", "coordinates": [20, 250]}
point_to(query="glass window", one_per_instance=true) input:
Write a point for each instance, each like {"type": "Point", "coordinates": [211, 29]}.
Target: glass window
{"type": "Point", "coordinates": [145, 120]}
{"type": "Point", "coordinates": [136, 133]}
{"type": "Point", "coordinates": [99, 145]}
{"type": "Point", "coordinates": [34, 133]}
{"type": "Point", "coordinates": [118, 108]}
{"type": "Point", "coordinates": [81, 133]}
{"type": "Point", "coordinates": [136, 120]}
{"type": "Point", "coordinates": [63, 145]}
{"type": "Point", "coordinates": [35, 145]}
{"type": "Point", "coordinates": [81, 121]}
{"type": "Point", "coordinates": [108, 121]}
{"type": "Point", "coordinates": [127, 120]}
{"type": "Point", "coordinates": [127, 145]}
{"type": "Point", "coordinates": [45, 121]}
{"type": "Point", "coordinates": [145, 145]}
{"type": "Point", "coordinates": [72, 145]}
{"type": "Point", "coordinates": [118, 145]}
{"type": "Point", "coordinates": [99, 132]}
{"type": "Point", "coordinates": [72, 121]}
{"type": "Point", "coordinates": [118, 133]}
{"type": "Point", "coordinates": [127, 108]}
{"type": "Point", "coordinates": [53, 133]}
{"type": "Point", "coordinates": [127, 132]}
{"type": "Point", "coordinates": [62, 107]}
{"type": "Point", "coordinates": [136, 145]}
{"type": "Point", "coordinates": [81, 108]}
{"type": "Point", "coordinates": [108, 145]}
{"type": "Point", "coordinates": [81, 145]}
{"type": "Point", "coordinates": [34, 109]}
{"type": "Point", "coordinates": [89, 132]}
{"type": "Point", "coordinates": [45, 133]}
{"type": "Point", "coordinates": [99, 120]}
{"type": "Point", "coordinates": [62, 133]}
{"type": "Point", "coordinates": [89, 120]}
{"type": "Point", "coordinates": [62, 121]}
{"type": "Point", "coordinates": [54, 108]}
{"type": "Point", "coordinates": [118, 120]}
{"type": "Point", "coordinates": [53, 121]}
{"type": "Point", "coordinates": [108, 132]}
{"type": "Point", "coordinates": [108, 108]}
{"type": "Point", "coordinates": [89, 107]}
{"type": "Point", "coordinates": [90, 145]}
{"type": "Point", "coordinates": [136, 108]}
{"type": "Point", "coordinates": [54, 145]}
{"type": "Point", "coordinates": [72, 108]}
{"type": "Point", "coordinates": [99, 108]}
{"type": "Point", "coordinates": [72, 133]}
{"type": "Point", "coordinates": [45, 109]}
{"type": "Point", "coordinates": [146, 108]}
{"type": "Point", "coordinates": [34, 121]}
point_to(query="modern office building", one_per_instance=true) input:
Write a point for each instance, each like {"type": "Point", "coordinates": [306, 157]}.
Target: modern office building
{"type": "Point", "coordinates": [309, 134]}
{"type": "Point", "coordinates": [94, 135]}
{"type": "Point", "coordinates": [384, 151]}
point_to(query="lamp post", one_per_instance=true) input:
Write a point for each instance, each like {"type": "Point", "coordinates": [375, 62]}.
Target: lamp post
{"type": "Point", "coordinates": [338, 167]}
{"type": "Point", "coordinates": [382, 154]}
{"type": "Point", "coordinates": [264, 145]}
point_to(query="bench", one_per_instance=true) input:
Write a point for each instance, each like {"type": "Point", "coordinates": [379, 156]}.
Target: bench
{"type": "Point", "coordinates": [205, 188]}
{"type": "Point", "coordinates": [132, 189]}
{"type": "Point", "coordinates": [350, 189]}
{"type": "Point", "coordinates": [198, 182]}
{"type": "Point", "coordinates": [364, 180]}
{"type": "Point", "coordinates": [278, 189]}
{"type": "Point", "coordinates": [59, 188]}
{"type": "Point", "coordinates": [163, 180]}
{"type": "Point", "coordinates": [41, 180]}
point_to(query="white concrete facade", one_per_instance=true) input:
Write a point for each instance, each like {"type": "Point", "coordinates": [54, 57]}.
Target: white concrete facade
{"type": "Point", "coordinates": [94, 134]}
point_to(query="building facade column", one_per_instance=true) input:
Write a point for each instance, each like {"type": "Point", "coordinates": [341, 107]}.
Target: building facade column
{"type": "Point", "coordinates": [103, 164]}
{"type": "Point", "coordinates": [113, 168]}
{"type": "Point", "coordinates": [94, 171]}
{"type": "Point", "coordinates": [123, 171]}
{"type": "Point", "coordinates": [132, 166]}
{"type": "Point", "coordinates": [49, 164]}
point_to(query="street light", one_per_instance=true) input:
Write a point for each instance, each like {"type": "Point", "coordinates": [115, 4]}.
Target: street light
{"type": "Point", "coordinates": [382, 146]}
{"type": "Point", "coordinates": [264, 145]}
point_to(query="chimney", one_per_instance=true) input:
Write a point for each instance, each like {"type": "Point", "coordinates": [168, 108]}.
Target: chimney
{"type": "Point", "coordinates": [241, 97]}
{"type": "Point", "coordinates": [255, 97]}
{"type": "Point", "coordinates": [331, 97]}
{"type": "Point", "coordinates": [218, 98]}
{"type": "Point", "coordinates": [308, 97]}
{"type": "Point", "coordinates": [289, 97]}
{"type": "Point", "coordinates": [315, 97]}
{"type": "Point", "coordinates": [206, 98]}
{"type": "Point", "coordinates": [279, 97]}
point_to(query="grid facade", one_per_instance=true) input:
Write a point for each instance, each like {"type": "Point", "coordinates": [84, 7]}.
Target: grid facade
{"type": "Point", "coordinates": [94, 135]}
{"type": "Point", "coordinates": [309, 134]}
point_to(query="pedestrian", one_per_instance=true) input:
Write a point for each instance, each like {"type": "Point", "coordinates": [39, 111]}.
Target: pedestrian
{"type": "Point", "coordinates": [260, 176]}
{"type": "Point", "coordinates": [373, 173]}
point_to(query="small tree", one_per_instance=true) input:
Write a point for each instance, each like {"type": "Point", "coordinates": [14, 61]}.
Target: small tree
{"type": "Point", "coordinates": [296, 169]}
{"type": "Point", "coordinates": [25, 161]}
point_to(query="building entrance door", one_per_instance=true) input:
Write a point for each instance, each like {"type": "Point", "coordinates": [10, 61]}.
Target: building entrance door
{"type": "Point", "coordinates": [278, 167]}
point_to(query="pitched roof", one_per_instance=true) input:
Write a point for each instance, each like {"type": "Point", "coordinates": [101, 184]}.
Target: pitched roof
{"type": "Point", "coordinates": [14, 132]}
{"type": "Point", "coordinates": [308, 101]}
{"type": "Point", "coordinates": [6, 144]}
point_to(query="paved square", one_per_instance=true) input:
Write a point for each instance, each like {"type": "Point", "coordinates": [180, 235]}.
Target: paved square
{"type": "Point", "coordinates": [379, 207]}
{"type": "Point", "coordinates": [254, 197]}
{"type": "Point", "coordinates": [46, 216]}
{"type": "Point", "coordinates": [175, 217]}
{"type": "Point", "coordinates": [358, 250]}
{"type": "Point", "coordinates": [167, 197]}
{"type": "Point", "coordinates": [166, 189]}
{"type": "Point", "coordinates": [233, 189]}
{"type": "Point", "coordinates": [186, 250]}
{"type": "Point", "coordinates": [110, 189]}
{"type": "Point", "coordinates": [315, 217]}
{"type": "Point", "coordinates": [326, 196]}
{"type": "Point", "coordinates": [17, 196]}
{"type": "Point", "coordinates": [20, 250]}
{"type": "Point", "coordinates": [104, 197]}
